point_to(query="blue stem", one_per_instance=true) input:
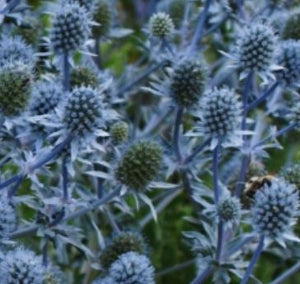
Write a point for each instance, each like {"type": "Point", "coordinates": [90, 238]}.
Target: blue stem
{"type": "Point", "coordinates": [242, 176]}
{"type": "Point", "coordinates": [64, 173]}
{"type": "Point", "coordinates": [196, 151]}
{"type": "Point", "coordinates": [10, 181]}
{"type": "Point", "coordinates": [261, 98]}
{"type": "Point", "coordinates": [284, 276]}
{"type": "Point", "coordinates": [66, 71]}
{"type": "Point", "coordinates": [245, 96]}
{"type": "Point", "coordinates": [45, 253]}
{"type": "Point", "coordinates": [176, 145]}
{"type": "Point", "coordinates": [51, 154]}
{"type": "Point", "coordinates": [14, 189]}
{"type": "Point", "coordinates": [220, 241]}
{"type": "Point", "coordinates": [215, 174]}
{"type": "Point", "coordinates": [200, 26]}
{"type": "Point", "coordinates": [200, 278]}
{"type": "Point", "coordinates": [141, 78]}
{"type": "Point", "coordinates": [278, 133]}
{"type": "Point", "coordinates": [253, 260]}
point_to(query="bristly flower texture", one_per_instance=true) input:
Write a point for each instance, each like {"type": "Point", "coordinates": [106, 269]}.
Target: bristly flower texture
{"type": "Point", "coordinates": [161, 25]}
{"type": "Point", "coordinates": [255, 49]}
{"type": "Point", "coordinates": [229, 210]}
{"type": "Point", "coordinates": [220, 114]}
{"type": "Point", "coordinates": [289, 58]}
{"type": "Point", "coordinates": [7, 217]}
{"type": "Point", "coordinates": [45, 97]}
{"type": "Point", "coordinates": [15, 88]}
{"type": "Point", "coordinates": [71, 28]}
{"type": "Point", "coordinates": [21, 266]}
{"type": "Point", "coordinates": [82, 113]}
{"type": "Point", "coordinates": [132, 268]}
{"type": "Point", "coordinates": [274, 210]}
{"type": "Point", "coordinates": [139, 165]}
{"type": "Point", "coordinates": [188, 82]}
{"type": "Point", "coordinates": [15, 49]}
{"type": "Point", "coordinates": [122, 243]}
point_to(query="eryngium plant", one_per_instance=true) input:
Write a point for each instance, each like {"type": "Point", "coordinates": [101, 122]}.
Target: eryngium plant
{"type": "Point", "coordinates": [125, 242]}
{"type": "Point", "coordinates": [139, 165]}
{"type": "Point", "coordinates": [7, 217]}
{"type": "Point", "coordinates": [21, 266]}
{"type": "Point", "coordinates": [15, 88]}
{"type": "Point", "coordinates": [275, 209]}
{"type": "Point", "coordinates": [187, 82]}
{"type": "Point", "coordinates": [70, 28]}
{"type": "Point", "coordinates": [161, 25]}
{"type": "Point", "coordinates": [256, 47]}
{"type": "Point", "coordinates": [102, 15]}
{"type": "Point", "coordinates": [82, 111]}
{"type": "Point", "coordinates": [132, 268]}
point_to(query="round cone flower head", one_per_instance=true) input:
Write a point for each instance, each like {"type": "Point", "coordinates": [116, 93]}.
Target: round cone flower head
{"type": "Point", "coordinates": [124, 242]}
{"type": "Point", "coordinates": [292, 175]}
{"type": "Point", "coordinates": [256, 48]}
{"type": "Point", "coordinates": [7, 217]}
{"type": "Point", "coordinates": [102, 15]}
{"type": "Point", "coordinates": [187, 82]}
{"type": "Point", "coordinates": [275, 208]}
{"type": "Point", "coordinates": [83, 76]}
{"type": "Point", "coordinates": [291, 28]}
{"type": "Point", "coordinates": [82, 111]}
{"type": "Point", "coordinates": [289, 59]}
{"type": "Point", "coordinates": [139, 165]}
{"type": "Point", "coordinates": [119, 132]}
{"type": "Point", "coordinates": [132, 268]}
{"type": "Point", "coordinates": [161, 25]}
{"type": "Point", "coordinates": [229, 210]}
{"type": "Point", "coordinates": [21, 266]}
{"type": "Point", "coordinates": [15, 49]}
{"type": "Point", "coordinates": [221, 112]}
{"type": "Point", "coordinates": [70, 29]}
{"type": "Point", "coordinates": [45, 97]}
{"type": "Point", "coordinates": [15, 88]}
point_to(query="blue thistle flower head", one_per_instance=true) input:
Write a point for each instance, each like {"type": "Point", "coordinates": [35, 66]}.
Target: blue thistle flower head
{"type": "Point", "coordinates": [220, 114]}
{"type": "Point", "coordinates": [21, 266]}
{"type": "Point", "coordinates": [229, 210]}
{"type": "Point", "coordinates": [15, 88]}
{"type": "Point", "coordinates": [103, 16]}
{"type": "Point", "coordinates": [45, 97]}
{"type": "Point", "coordinates": [15, 49]}
{"type": "Point", "coordinates": [274, 210]}
{"type": "Point", "coordinates": [289, 58]}
{"type": "Point", "coordinates": [70, 29]}
{"type": "Point", "coordinates": [82, 113]}
{"type": "Point", "coordinates": [7, 217]}
{"type": "Point", "coordinates": [161, 25]}
{"type": "Point", "coordinates": [292, 174]}
{"type": "Point", "coordinates": [255, 49]}
{"type": "Point", "coordinates": [139, 165]}
{"type": "Point", "coordinates": [188, 82]}
{"type": "Point", "coordinates": [132, 268]}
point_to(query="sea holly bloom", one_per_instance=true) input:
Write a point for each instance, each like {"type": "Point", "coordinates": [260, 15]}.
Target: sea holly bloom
{"type": "Point", "coordinates": [275, 209]}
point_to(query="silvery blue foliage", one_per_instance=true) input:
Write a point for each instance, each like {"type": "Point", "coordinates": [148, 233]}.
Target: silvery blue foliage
{"type": "Point", "coordinates": [20, 266]}
{"type": "Point", "coordinates": [103, 126]}
{"type": "Point", "coordinates": [132, 268]}
{"type": "Point", "coordinates": [275, 210]}
{"type": "Point", "coordinates": [8, 219]}
{"type": "Point", "coordinates": [15, 49]}
{"type": "Point", "coordinates": [70, 28]}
